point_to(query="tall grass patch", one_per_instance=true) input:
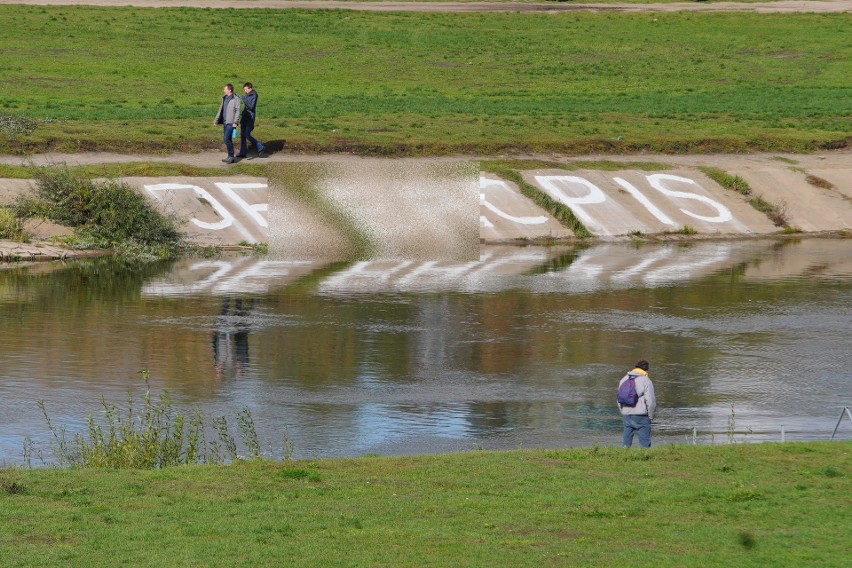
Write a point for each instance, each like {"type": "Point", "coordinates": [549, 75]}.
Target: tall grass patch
{"type": "Point", "coordinates": [11, 225]}
{"type": "Point", "coordinates": [154, 434]}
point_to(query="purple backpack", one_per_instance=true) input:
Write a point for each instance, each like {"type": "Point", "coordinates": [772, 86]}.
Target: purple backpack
{"type": "Point", "coordinates": [627, 395]}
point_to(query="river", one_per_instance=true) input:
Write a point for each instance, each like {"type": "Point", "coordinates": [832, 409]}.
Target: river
{"type": "Point", "coordinates": [520, 349]}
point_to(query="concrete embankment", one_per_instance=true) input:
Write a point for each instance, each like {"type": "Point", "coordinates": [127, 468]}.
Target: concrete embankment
{"type": "Point", "coordinates": [415, 207]}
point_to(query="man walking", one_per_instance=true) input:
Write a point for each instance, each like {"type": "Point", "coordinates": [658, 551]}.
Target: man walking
{"type": "Point", "coordinates": [229, 117]}
{"type": "Point", "coordinates": [249, 113]}
{"type": "Point", "coordinates": [637, 404]}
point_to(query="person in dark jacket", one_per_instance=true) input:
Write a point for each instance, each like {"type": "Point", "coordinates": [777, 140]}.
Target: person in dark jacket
{"type": "Point", "coordinates": [229, 117]}
{"type": "Point", "coordinates": [249, 114]}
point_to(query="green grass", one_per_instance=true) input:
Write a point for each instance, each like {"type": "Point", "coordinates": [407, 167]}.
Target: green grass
{"type": "Point", "coordinates": [726, 180]}
{"type": "Point", "coordinates": [734, 505]}
{"type": "Point", "coordinates": [419, 83]}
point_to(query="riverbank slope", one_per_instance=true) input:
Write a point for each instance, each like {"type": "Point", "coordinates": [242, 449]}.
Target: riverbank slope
{"type": "Point", "coordinates": [523, 199]}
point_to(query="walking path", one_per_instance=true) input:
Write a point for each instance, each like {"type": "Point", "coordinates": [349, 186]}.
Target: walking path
{"type": "Point", "coordinates": [782, 6]}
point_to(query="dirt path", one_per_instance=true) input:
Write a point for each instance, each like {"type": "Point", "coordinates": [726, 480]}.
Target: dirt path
{"type": "Point", "coordinates": [782, 6]}
{"type": "Point", "coordinates": [212, 158]}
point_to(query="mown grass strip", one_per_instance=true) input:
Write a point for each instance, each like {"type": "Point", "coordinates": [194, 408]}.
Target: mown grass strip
{"type": "Point", "coordinates": [767, 504]}
{"type": "Point", "coordinates": [431, 83]}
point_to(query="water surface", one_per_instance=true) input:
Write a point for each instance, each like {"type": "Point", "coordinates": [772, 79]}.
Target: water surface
{"type": "Point", "coordinates": [522, 348]}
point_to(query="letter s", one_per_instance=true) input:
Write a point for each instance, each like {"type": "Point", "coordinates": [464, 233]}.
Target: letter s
{"type": "Point", "coordinates": [656, 181]}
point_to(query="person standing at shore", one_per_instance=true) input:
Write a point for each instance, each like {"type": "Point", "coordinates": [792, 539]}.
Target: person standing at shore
{"type": "Point", "coordinates": [637, 404]}
{"type": "Point", "coordinates": [229, 117]}
{"type": "Point", "coordinates": [247, 121]}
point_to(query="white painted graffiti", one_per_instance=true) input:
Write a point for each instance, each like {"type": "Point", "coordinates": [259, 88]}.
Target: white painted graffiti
{"type": "Point", "coordinates": [227, 218]}
{"type": "Point", "coordinates": [598, 211]}
{"type": "Point", "coordinates": [490, 184]}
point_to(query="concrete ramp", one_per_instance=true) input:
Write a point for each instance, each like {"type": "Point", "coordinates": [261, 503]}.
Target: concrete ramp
{"type": "Point", "coordinates": [805, 206]}
{"type": "Point", "coordinates": [387, 209]}
{"type": "Point", "coordinates": [426, 209]}
{"type": "Point", "coordinates": [215, 211]}
{"type": "Point", "coordinates": [620, 203]}
{"type": "Point", "coordinates": [506, 214]}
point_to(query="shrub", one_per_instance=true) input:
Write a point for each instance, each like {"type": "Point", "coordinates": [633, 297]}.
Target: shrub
{"type": "Point", "coordinates": [105, 214]}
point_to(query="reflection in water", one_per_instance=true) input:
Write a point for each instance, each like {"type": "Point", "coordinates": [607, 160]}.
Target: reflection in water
{"type": "Point", "coordinates": [230, 338]}
{"type": "Point", "coordinates": [521, 348]}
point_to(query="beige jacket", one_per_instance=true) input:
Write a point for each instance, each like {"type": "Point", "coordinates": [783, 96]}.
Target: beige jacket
{"type": "Point", "coordinates": [645, 389]}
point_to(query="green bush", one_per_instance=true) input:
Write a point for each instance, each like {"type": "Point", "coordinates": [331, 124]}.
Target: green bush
{"type": "Point", "coordinates": [106, 214]}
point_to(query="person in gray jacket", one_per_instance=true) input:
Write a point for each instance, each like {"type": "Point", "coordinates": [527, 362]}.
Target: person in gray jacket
{"type": "Point", "coordinates": [229, 117]}
{"type": "Point", "coordinates": [638, 418]}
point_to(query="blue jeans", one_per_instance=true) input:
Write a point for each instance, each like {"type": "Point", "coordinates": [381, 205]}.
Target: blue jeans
{"type": "Point", "coordinates": [245, 133]}
{"type": "Point", "coordinates": [229, 144]}
{"type": "Point", "coordinates": [637, 423]}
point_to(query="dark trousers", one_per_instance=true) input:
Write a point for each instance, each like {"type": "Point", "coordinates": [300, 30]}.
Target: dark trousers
{"type": "Point", "coordinates": [229, 144]}
{"type": "Point", "coordinates": [245, 134]}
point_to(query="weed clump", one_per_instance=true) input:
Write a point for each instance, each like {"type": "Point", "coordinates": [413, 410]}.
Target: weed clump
{"type": "Point", "coordinates": [11, 226]}
{"type": "Point", "coordinates": [11, 487]}
{"type": "Point", "coordinates": [726, 180]}
{"type": "Point", "coordinates": [13, 126]}
{"type": "Point", "coordinates": [817, 181]}
{"type": "Point", "coordinates": [776, 214]}
{"type": "Point", "coordinates": [104, 214]}
{"type": "Point", "coordinates": [155, 436]}
{"type": "Point", "coordinates": [685, 230]}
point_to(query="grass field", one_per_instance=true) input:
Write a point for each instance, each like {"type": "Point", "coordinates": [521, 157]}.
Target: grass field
{"type": "Point", "coordinates": [131, 79]}
{"type": "Point", "coordinates": [735, 505]}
